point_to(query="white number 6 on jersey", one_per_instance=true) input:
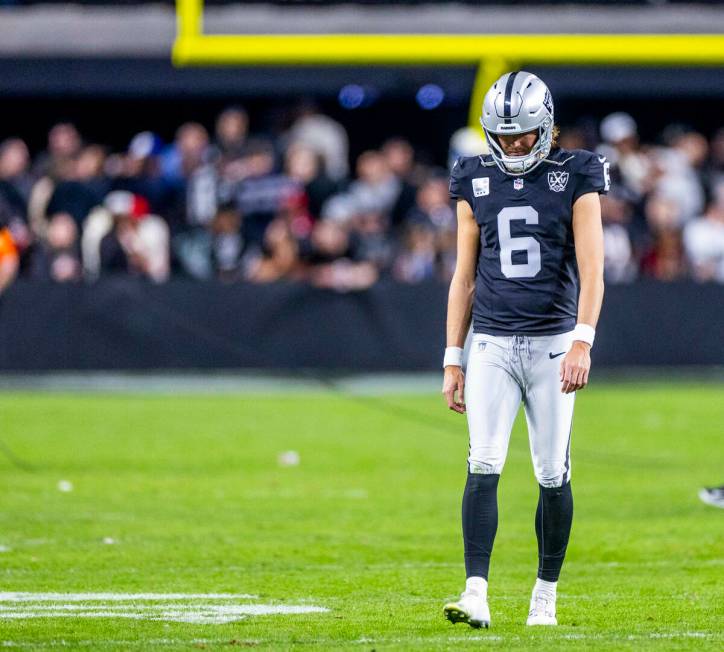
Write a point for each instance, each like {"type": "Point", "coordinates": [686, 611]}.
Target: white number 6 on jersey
{"type": "Point", "coordinates": [509, 244]}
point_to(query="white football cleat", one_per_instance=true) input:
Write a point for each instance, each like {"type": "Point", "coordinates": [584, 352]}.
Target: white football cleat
{"type": "Point", "coordinates": [471, 608]}
{"type": "Point", "coordinates": [713, 496]}
{"type": "Point", "coordinates": [542, 610]}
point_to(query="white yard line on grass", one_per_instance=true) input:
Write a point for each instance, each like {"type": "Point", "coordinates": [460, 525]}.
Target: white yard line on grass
{"type": "Point", "coordinates": [170, 607]}
{"type": "Point", "coordinates": [203, 615]}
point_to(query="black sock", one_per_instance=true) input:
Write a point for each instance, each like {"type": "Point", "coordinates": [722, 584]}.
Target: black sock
{"type": "Point", "coordinates": [553, 520]}
{"type": "Point", "coordinates": [480, 522]}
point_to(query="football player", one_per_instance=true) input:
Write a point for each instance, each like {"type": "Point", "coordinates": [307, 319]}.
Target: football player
{"type": "Point", "coordinates": [529, 275]}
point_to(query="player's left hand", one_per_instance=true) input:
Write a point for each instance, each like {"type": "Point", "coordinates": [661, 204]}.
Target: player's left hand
{"type": "Point", "coordinates": [575, 367]}
{"type": "Point", "coordinates": [454, 381]}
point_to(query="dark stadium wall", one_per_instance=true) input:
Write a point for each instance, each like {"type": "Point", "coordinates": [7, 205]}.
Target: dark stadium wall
{"type": "Point", "coordinates": [122, 324]}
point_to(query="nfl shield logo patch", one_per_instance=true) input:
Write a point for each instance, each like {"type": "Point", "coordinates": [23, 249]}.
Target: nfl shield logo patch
{"type": "Point", "coordinates": [518, 184]}
{"type": "Point", "coordinates": [557, 181]}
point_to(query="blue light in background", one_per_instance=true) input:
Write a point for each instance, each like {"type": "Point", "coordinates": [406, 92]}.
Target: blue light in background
{"type": "Point", "coordinates": [430, 96]}
{"type": "Point", "coordinates": [351, 96]}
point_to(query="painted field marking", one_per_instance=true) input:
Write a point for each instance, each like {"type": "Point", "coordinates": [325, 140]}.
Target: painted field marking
{"type": "Point", "coordinates": [172, 607]}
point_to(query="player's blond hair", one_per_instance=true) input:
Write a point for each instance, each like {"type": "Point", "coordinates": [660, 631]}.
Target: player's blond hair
{"type": "Point", "coordinates": [554, 137]}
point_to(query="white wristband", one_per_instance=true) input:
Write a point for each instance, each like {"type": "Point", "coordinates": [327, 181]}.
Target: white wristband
{"type": "Point", "coordinates": [453, 356]}
{"type": "Point", "coordinates": [584, 333]}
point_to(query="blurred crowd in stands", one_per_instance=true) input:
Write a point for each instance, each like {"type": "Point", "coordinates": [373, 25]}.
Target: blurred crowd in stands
{"type": "Point", "coordinates": [236, 206]}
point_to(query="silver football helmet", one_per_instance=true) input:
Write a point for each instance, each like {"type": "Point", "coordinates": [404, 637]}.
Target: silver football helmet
{"type": "Point", "coordinates": [517, 103]}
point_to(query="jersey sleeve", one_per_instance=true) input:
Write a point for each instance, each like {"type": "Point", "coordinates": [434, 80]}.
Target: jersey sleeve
{"type": "Point", "coordinates": [593, 175]}
{"type": "Point", "coordinates": [459, 182]}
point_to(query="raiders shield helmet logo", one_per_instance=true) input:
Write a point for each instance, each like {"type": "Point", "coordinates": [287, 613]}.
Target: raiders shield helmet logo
{"type": "Point", "coordinates": [557, 181]}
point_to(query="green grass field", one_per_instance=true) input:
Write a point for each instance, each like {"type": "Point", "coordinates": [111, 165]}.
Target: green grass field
{"type": "Point", "coordinates": [185, 495]}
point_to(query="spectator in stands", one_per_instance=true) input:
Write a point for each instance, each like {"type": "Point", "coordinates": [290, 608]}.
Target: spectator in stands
{"type": "Point", "coordinates": [376, 188]}
{"type": "Point", "coordinates": [15, 187]}
{"type": "Point", "coordinates": [432, 204]}
{"type": "Point", "coordinates": [323, 135]}
{"type": "Point", "coordinates": [369, 231]}
{"type": "Point", "coordinates": [227, 244]}
{"type": "Point", "coordinates": [42, 193]}
{"type": "Point", "coordinates": [331, 261]}
{"type": "Point", "coordinates": [679, 170]}
{"type": "Point", "coordinates": [433, 209]}
{"type": "Point", "coordinates": [230, 134]}
{"type": "Point", "coordinates": [466, 141]}
{"type": "Point", "coordinates": [704, 240]}
{"type": "Point", "coordinates": [620, 133]}
{"type": "Point", "coordinates": [202, 195]}
{"type": "Point", "coordinates": [138, 171]}
{"type": "Point", "coordinates": [619, 264]}
{"type": "Point", "coordinates": [138, 242]}
{"type": "Point", "coordinates": [82, 186]}
{"type": "Point", "coordinates": [280, 258]}
{"type": "Point", "coordinates": [662, 213]}
{"type": "Point", "coordinates": [716, 160]}
{"type": "Point", "coordinates": [295, 212]}
{"type": "Point", "coordinates": [400, 159]}
{"type": "Point", "coordinates": [417, 257]}
{"type": "Point", "coordinates": [189, 150]}
{"type": "Point", "coordinates": [57, 256]}
{"type": "Point", "coordinates": [303, 165]}
{"type": "Point", "coordinates": [664, 259]}
{"type": "Point", "coordinates": [15, 180]}
{"type": "Point", "coordinates": [212, 181]}
{"type": "Point", "coordinates": [64, 143]}
{"type": "Point", "coordinates": [261, 193]}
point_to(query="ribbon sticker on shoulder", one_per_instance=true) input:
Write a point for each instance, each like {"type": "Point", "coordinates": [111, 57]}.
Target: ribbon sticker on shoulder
{"type": "Point", "coordinates": [481, 186]}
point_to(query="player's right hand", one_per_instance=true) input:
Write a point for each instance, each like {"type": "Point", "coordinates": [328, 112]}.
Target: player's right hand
{"type": "Point", "coordinates": [454, 381]}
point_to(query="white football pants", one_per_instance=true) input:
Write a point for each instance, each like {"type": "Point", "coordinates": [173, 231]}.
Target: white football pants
{"type": "Point", "coordinates": [502, 372]}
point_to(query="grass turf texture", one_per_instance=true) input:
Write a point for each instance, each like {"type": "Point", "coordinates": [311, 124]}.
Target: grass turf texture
{"type": "Point", "coordinates": [367, 525]}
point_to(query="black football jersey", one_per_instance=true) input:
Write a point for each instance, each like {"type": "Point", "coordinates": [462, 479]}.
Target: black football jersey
{"type": "Point", "coordinates": [527, 277]}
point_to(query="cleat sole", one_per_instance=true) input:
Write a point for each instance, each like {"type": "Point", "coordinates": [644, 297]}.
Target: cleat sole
{"type": "Point", "coordinates": [456, 615]}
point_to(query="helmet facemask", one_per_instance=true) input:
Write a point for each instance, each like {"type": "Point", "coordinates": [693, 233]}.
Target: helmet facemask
{"type": "Point", "coordinates": [516, 165]}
